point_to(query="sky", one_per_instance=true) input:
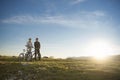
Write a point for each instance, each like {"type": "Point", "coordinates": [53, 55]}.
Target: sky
{"type": "Point", "coordinates": [65, 28]}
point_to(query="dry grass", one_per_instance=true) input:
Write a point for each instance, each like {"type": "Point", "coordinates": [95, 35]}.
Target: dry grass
{"type": "Point", "coordinates": [58, 69]}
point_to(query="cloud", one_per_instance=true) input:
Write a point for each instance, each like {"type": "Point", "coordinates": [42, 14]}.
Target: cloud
{"type": "Point", "coordinates": [19, 19]}
{"type": "Point", "coordinates": [96, 13]}
{"type": "Point", "coordinates": [76, 1]}
{"type": "Point", "coordinates": [79, 20]}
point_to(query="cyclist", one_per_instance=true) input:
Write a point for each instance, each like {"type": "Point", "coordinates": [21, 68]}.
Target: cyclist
{"type": "Point", "coordinates": [37, 48]}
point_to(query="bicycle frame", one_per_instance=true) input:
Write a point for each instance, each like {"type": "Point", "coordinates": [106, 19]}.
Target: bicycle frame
{"type": "Point", "coordinates": [25, 55]}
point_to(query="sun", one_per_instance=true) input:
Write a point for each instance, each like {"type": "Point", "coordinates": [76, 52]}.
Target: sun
{"type": "Point", "coordinates": [99, 49]}
{"type": "Point", "coordinates": [100, 57]}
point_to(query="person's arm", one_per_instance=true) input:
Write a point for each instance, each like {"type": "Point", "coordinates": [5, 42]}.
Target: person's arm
{"type": "Point", "coordinates": [26, 44]}
{"type": "Point", "coordinates": [34, 45]}
{"type": "Point", "coordinates": [39, 45]}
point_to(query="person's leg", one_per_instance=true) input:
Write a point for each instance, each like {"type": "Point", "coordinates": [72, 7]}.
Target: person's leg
{"type": "Point", "coordinates": [39, 55]}
{"type": "Point", "coordinates": [35, 53]}
{"type": "Point", "coordinates": [30, 53]}
{"type": "Point", "coordinates": [30, 49]}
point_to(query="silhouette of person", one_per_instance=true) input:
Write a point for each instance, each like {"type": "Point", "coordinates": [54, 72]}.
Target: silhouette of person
{"type": "Point", "coordinates": [37, 46]}
{"type": "Point", "coordinates": [29, 45]}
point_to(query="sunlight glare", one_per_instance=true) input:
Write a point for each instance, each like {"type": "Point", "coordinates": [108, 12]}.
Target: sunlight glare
{"type": "Point", "coordinates": [99, 49]}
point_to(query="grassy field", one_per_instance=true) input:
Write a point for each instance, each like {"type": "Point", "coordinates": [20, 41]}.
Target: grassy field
{"type": "Point", "coordinates": [59, 69]}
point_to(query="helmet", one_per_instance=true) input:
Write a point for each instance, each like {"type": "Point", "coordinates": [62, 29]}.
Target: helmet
{"type": "Point", "coordinates": [36, 38]}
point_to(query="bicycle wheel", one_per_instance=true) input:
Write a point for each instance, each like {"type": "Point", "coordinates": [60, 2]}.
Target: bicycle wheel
{"type": "Point", "coordinates": [29, 56]}
{"type": "Point", "coordinates": [21, 57]}
{"type": "Point", "coordinates": [33, 56]}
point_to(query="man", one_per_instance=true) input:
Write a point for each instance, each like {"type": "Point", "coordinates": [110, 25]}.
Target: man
{"type": "Point", "coordinates": [29, 45]}
{"type": "Point", "coordinates": [37, 48]}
